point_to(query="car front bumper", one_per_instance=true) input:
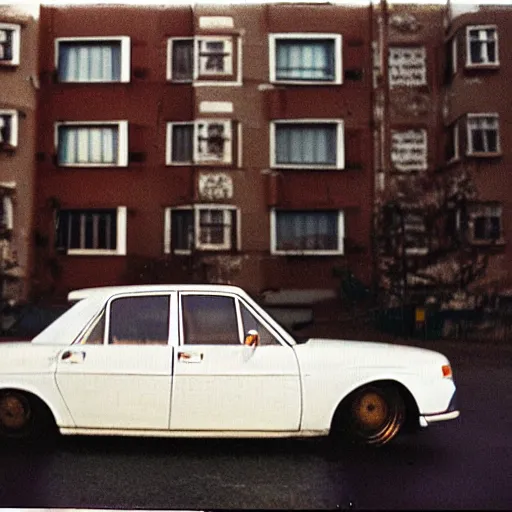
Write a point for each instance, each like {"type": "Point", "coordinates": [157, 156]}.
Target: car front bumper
{"type": "Point", "coordinates": [450, 414]}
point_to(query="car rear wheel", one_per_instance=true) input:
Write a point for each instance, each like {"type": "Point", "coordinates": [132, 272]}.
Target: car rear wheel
{"type": "Point", "coordinates": [23, 418]}
{"type": "Point", "coordinates": [373, 415]}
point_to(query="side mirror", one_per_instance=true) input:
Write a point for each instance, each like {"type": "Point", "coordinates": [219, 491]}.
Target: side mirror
{"type": "Point", "coordinates": [252, 338]}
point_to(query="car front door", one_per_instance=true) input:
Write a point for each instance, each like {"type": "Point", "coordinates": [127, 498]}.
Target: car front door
{"type": "Point", "coordinates": [221, 384]}
{"type": "Point", "coordinates": [118, 375]}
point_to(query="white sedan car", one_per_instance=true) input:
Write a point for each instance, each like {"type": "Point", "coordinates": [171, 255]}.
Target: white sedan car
{"type": "Point", "coordinates": [197, 361]}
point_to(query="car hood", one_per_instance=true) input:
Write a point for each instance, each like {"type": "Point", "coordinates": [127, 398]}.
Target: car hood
{"type": "Point", "coordinates": [23, 357]}
{"type": "Point", "coordinates": [366, 354]}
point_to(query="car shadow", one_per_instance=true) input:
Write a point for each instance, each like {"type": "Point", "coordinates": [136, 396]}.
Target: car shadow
{"type": "Point", "coordinates": [419, 447]}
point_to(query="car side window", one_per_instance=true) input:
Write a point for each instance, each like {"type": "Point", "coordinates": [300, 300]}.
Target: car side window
{"type": "Point", "coordinates": [252, 323]}
{"type": "Point", "coordinates": [209, 320]}
{"type": "Point", "coordinates": [142, 320]}
{"type": "Point", "coordinates": [94, 334]}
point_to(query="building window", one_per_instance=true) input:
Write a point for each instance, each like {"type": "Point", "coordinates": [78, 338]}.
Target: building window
{"type": "Point", "coordinates": [92, 144]}
{"type": "Point", "coordinates": [485, 223]}
{"type": "Point", "coordinates": [201, 142]}
{"type": "Point", "coordinates": [8, 128]}
{"type": "Point", "coordinates": [409, 149]}
{"type": "Point", "coordinates": [6, 213]}
{"type": "Point", "coordinates": [307, 232]}
{"type": "Point", "coordinates": [201, 58]}
{"type": "Point", "coordinates": [92, 231]}
{"type": "Point", "coordinates": [103, 59]}
{"type": "Point", "coordinates": [305, 58]}
{"type": "Point", "coordinates": [200, 227]}
{"type": "Point", "coordinates": [181, 55]}
{"type": "Point", "coordinates": [483, 134]}
{"type": "Point", "coordinates": [215, 56]}
{"type": "Point", "coordinates": [451, 59]}
{"type": "Point", "coordinates": [407, 66]}
{"type": "Point", "coordinates": [482, 46]}
{"type": "Point", "coordinates": [308, 144]}
{"type": "Point", "coordinates": [9, 44]}
{"type": "Point", "coordinates": [452, 143]}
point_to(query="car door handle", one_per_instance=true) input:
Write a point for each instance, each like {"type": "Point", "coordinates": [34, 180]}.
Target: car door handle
{"type": "Point", "coordinates": [70, 356]}
{"type": "Point", "coordinates": [190, 357]}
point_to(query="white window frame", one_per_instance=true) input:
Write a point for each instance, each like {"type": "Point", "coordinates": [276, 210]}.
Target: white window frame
{"type": "Point", "coordinates": [273, 238]}
{"type": "Point", "coordinates": [204, 77]}
{"type": "Point", "coordinates": [13, 139]}
{"type": "Point", "coordinates": [15, 45]}
{"type": "Point", "coordinates": [469, 62]}
{"type": "Point", "coordinates": [228, 60]}
{"type": "Point", "coordinates": [197, 158]}
{"type": "Point", "coordinates": [338, 59]}
{"type": "Point", "coordinates": [198, 246]}
{"type": "Point", "coordinates": [120, 249]}
{"type": "Point", "coordinates": [340, 144]}
{"type": "Point", "coordinates": [125, 63]}
{"type": "Point", "coordinates": [122, 147]}
{"type": "Point", "coordinates": [469, 149]}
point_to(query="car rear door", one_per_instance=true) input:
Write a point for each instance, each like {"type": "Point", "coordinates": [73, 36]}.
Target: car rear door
{"type": "Point", "coordinates": [118, 376]}
{"type": "Point", "coordinates": [221, 384]}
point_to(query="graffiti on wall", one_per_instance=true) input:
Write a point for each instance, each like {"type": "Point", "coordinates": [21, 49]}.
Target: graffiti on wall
{"type": "Point", "coordinates": [215, 186]}
{"type": "Point", "coordinates": [409, 150]}
{"type": "Point", "coordinates": [407, 66]}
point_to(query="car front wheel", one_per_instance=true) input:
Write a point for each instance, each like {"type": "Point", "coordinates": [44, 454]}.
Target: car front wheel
{"type": "Point", "coordinates": [372, 415]}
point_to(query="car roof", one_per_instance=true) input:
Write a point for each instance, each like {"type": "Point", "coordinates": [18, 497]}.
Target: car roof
{"type": "Point", "coordinates": [107, 291]}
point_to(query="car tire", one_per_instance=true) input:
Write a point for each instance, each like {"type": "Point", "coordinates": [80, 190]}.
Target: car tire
{"type": "Point", "coordinates": [372, 416]}
{"type": "Point", "coordinates": [25, 420]}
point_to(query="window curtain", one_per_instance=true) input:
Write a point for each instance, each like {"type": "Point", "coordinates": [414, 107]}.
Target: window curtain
{"type": "Point", "coordinates": [90, 62]}
{"type": "Point", "coordinates": [182, 230]}
{"type": "Point", "coordinates": [305, 60]}
{"type": "Point", "coordinates": [296, 231]}
{"type": "Point", "coordinates": [182, 60]}
{"type": "Point", "coordinates": [88, 145]}
{"type": "Point", "coordinates": [307, 144]}
{"type": "Point", "coordinates": [182, 140]}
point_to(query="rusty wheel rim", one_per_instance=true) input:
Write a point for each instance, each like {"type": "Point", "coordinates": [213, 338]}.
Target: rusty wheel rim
{"type": "Point", "coordinates": [14, 412]}
{"type": "Point", "coordinates": [371, 411]}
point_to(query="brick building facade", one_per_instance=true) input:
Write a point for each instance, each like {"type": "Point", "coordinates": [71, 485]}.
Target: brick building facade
{"type": "Point", "coordinates": [18, 84]}
{"type": "Point", "coordinates": [225, 144]}
{"type": "Point", "coordinates": [204, 144]}
{"type": "Point", "coordinates": [478, 127]}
